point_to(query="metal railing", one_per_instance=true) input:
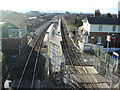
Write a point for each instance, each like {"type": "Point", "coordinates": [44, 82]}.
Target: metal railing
{"type": "Point", "coordinates": [107, 66]}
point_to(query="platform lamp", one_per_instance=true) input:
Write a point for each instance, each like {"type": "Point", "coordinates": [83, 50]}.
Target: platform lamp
{"type": "Point", "coordinates": [108, 39]}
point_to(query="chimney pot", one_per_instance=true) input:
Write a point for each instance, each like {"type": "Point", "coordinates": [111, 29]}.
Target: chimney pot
{"type": "Point", "coordinates": [97, 13]}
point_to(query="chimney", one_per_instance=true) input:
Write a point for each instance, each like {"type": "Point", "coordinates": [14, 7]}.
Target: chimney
{"type": "Point", "coordinates": [119, 9]}
{"type": "Point", "coordinates": [97, 13]}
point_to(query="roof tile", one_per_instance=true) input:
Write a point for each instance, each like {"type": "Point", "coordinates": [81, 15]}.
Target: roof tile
{"type": "Point", "coordinates": [104, 20]}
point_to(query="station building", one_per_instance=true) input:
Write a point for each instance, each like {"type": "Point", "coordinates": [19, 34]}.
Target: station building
{"type": "Point", "coordinates": [14, 33]}
{"type": "Point", "coordinates": [96, 28]}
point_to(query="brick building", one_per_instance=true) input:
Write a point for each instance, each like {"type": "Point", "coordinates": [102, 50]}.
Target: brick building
{"type": "Point", "coordinates": [14, 33]}
{"type": "Point", "coordinates": [96, 29]}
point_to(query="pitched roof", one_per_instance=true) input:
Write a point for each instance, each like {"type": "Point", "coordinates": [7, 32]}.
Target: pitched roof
{"type": "Point", "coordinates": [103, 20]}
{"type": "Point", "coordinates": [14, 18]}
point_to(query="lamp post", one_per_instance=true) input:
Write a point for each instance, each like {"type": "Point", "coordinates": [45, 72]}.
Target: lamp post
{"type": "Point", "coordinates": [108, 39]}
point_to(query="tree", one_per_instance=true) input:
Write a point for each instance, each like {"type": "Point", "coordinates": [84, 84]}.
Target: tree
{"type": "Point", "coordinates": [67, 12]}
{"type": "Point", "coordinates": [78, 22]}
{"type": "Point", "coordinates": [108, 15]}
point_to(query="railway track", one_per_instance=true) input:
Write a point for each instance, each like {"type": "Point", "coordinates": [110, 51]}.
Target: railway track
{"type": "Point", "coordinates": [29, 76]}
{"type": "Point", "coordinates": [73, 59]}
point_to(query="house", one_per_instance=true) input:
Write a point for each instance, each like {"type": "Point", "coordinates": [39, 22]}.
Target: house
{"type": "Point", "coordinates": [14, 33]}
{"type": "Point", "coordinates": [95, 30]}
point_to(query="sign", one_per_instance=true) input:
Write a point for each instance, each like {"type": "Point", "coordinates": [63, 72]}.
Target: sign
{"type": "Point", "coordinates": [108, 38]}
{"type": "Point", "coordinates": [115, 56]}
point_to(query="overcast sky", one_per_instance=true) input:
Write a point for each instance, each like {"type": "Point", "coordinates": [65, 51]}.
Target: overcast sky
{"type": "Point", "coordinates": [105, 6]}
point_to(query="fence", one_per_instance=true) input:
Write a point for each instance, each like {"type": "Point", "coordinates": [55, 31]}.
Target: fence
{"type": "Point", "coordinates": [84, 47]}
{"type": "Point", "coordinates": [111, 49]}
{"type": "Point", "coordinates": [106, 65]}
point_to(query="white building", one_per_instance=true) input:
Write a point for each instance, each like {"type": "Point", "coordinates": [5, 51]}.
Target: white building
{"type": "Point", "coordinates": [96, 29]}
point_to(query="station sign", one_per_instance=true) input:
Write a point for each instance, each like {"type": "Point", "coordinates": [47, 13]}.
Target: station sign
{"type": "Point", "coordinates": [115, 56]}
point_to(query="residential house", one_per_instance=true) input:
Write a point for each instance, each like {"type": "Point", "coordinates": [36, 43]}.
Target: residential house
{"type": "Point", "coordinates": [96, 29]}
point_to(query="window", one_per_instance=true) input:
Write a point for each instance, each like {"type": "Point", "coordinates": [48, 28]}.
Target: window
{"type": "Point", "coordinates": [114, 28]}
{"type": "Point", "coordinates": [13, 33]}
{"type": "Point", "coordinates": [9, 26]}
{"type": "Point", "coordinates": [99, 40]}
{"type": "Point", "coordinates": [100, 27]}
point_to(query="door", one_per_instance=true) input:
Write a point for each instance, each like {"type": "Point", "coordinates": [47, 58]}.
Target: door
{"type": "Point", "coordinates": [99, 40]}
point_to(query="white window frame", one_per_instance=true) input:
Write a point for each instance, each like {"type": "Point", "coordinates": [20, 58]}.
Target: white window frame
{"type": "Point", "coordinates": [114, 28]}
{"type": "Point", "coordinates": [9, 26]}
{"type": "Point", "coordinates": [16, 31]}
{"type": "Point", "coordinates": [100, 27]}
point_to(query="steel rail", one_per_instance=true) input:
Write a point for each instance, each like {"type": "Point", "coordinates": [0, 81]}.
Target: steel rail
{"type": "Point", "coordinates": [68, 53]}
{"type": "Point", "coordinates": [28, 60]}
{"type": "Point", "coordinates": [84, 69]}
{"type": "Point", "coordinates": [71, 61]}
{"type": "Point", "coordinates": [36, 62]}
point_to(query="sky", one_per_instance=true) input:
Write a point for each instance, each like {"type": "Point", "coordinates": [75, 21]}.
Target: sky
{"type": "Point", "coordinates": [105, 6]}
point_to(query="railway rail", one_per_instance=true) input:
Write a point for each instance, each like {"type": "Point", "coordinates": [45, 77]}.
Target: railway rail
{"type": "Point", "coordinates": [24, 72]}
{"type": "Point", "coordinates": [29, 74]}
{"type": "Point", "coordinates": [73, 59]}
